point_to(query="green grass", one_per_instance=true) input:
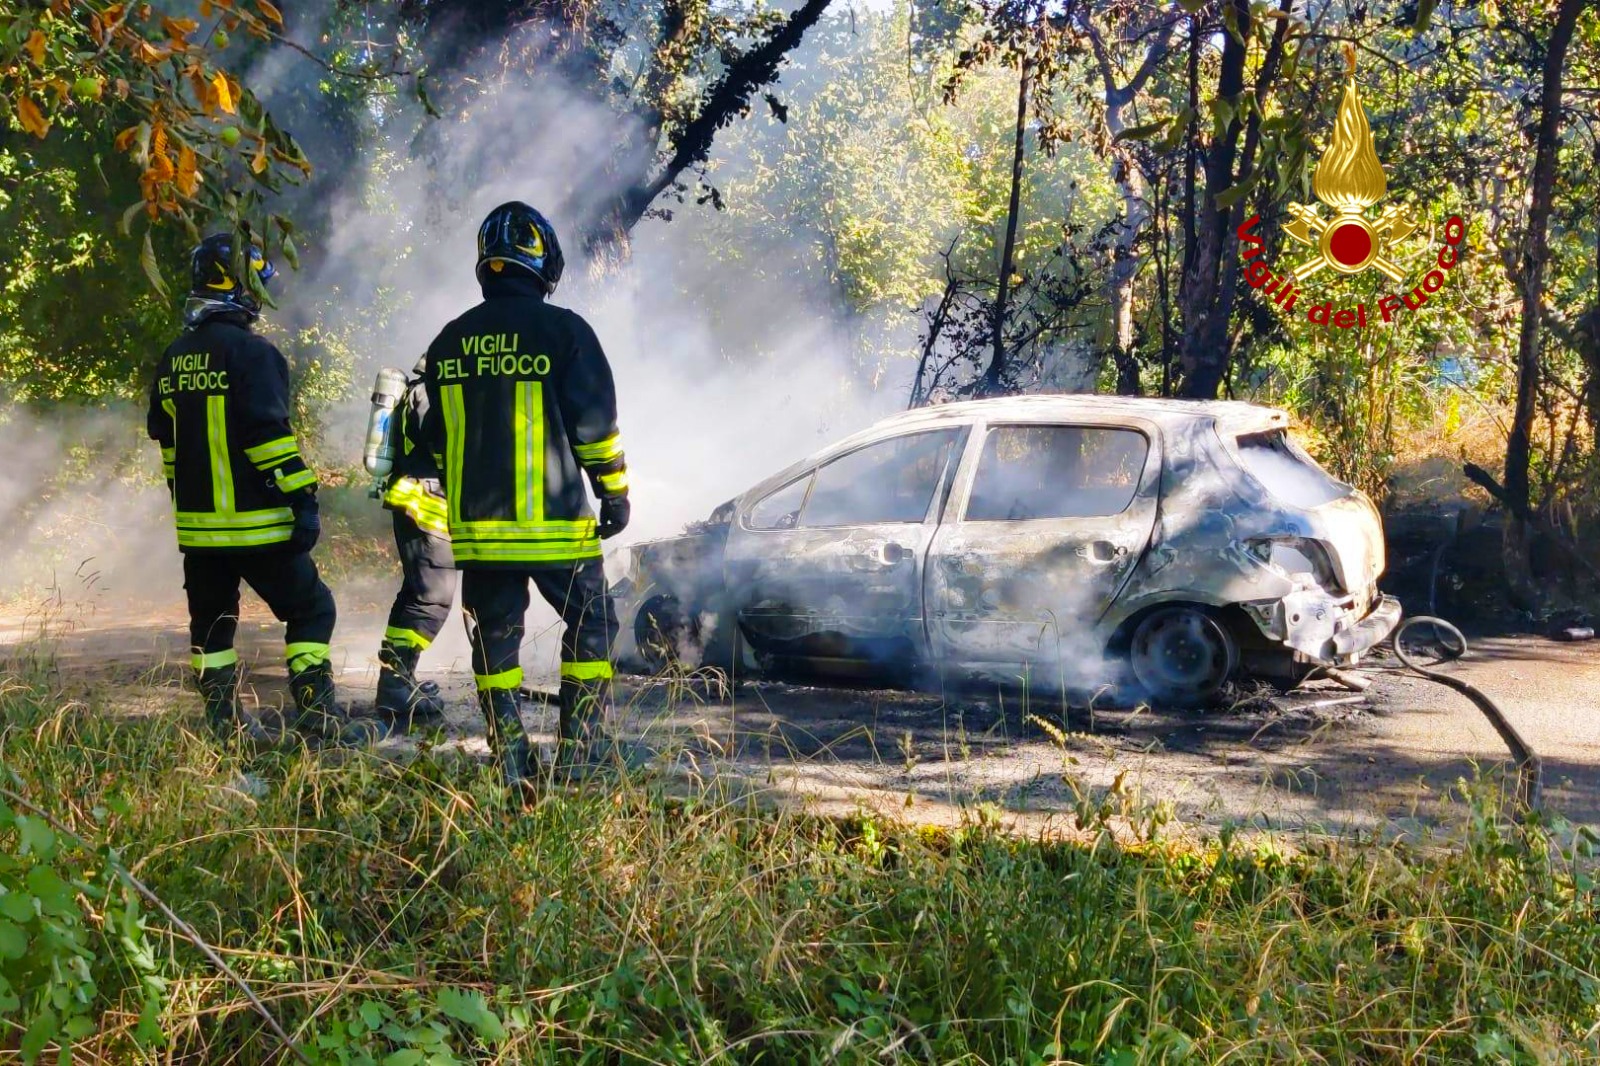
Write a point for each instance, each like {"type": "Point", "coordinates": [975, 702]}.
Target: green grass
{"type": "Point", "coordinates": [398, 914]}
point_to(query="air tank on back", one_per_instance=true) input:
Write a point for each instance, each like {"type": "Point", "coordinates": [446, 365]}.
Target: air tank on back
{"type": "Point", "coordinates": [378, 458]}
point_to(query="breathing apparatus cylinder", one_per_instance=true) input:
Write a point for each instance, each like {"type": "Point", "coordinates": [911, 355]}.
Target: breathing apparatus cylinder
{"type": "Point", "coordinates": [378, 457]}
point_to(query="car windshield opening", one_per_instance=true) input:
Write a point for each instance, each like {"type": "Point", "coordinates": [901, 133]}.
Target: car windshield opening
{"type": "Point", "coordinates": [1034, 472]}
{"type": "Point", "coordinates": [1287, 472]}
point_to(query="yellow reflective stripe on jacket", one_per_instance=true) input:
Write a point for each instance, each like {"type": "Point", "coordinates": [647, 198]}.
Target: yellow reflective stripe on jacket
{"type": "Point", "coordinates": [169, 456]}
{"type": "Point", "coordinates": [600, 452]}
{"type": "Point", "coordinates": [614, 484]}
{"type": "Point", "coordinates": [429, 512]}
{"type": "Point", "coordinates": [221, 466]}
{"type": "Point", "coordinates": [522, 553]}
{"type": "Point", "coordinates": [273, 451]}
{"type": "Point", "coordinates": [294, 482]}
{"type": "Point", "coordinates": [213, 660]}
{"type": "Point", "coordinates": [241, 529]}
{"type": "Point", "coordinates": [236, 519]}
{"type": "Point", "coordinates": [595, 670]}
{"type": "Point", "coordinates": [224, 538]}
{"type": "Point", "coordinates": [579, 529]}
{"type": "Point", "coordinates": [455, 427]}
{"type": "Point", "coordinates": [529, 436]}
{"type": "Point", "coordinates": [511, 678]}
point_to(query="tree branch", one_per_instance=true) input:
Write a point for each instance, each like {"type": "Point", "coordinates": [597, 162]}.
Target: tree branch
{"type": "Point", "coordinates": [724, 102]}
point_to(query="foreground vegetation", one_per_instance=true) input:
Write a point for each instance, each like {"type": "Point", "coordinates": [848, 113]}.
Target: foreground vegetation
{"type": "Point", "coordinates": [395, 914]}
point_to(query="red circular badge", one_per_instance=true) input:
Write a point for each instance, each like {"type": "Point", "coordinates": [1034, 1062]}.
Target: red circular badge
{"type": "Point", "coordinates": [1350, 245]}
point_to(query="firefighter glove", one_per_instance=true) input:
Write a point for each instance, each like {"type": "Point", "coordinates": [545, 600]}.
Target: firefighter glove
{"type": "Point", "coordinates": [614, 512]}
{"type": "Point", "coordinates": [307, 523]}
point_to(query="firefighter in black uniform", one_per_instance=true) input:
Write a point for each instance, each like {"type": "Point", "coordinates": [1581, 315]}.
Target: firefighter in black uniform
{"type": "Point", "coordinates": [428, 583]}
{"type": "Point", "coordinates": [245, 502]}
{"type": "Point", "coordinates": [521, 407]}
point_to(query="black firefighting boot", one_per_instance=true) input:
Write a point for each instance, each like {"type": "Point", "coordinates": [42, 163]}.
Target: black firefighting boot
{"type": "Point", "coordinates": [402, 699]}
{"type": "Point", "coordinates": [508, 741]}
{"type": "Point", "coordinates": [317, 712]}
{"type": "Point", "coordinates": [219, 687]}
{"type": "Point", "coordinates": [584, 745]}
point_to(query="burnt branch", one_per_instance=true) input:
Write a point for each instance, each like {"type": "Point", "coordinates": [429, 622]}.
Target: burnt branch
{"type": "Point", "coordinates": [727, 100]}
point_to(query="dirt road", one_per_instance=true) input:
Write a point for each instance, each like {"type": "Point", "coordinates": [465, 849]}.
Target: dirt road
{"type": "Point", "coordinates": [1315, 759]}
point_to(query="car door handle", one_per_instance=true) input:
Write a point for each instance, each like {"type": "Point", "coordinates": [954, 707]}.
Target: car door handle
{"type": "Point", "coordinates": [884, 556]}
{"type": "Point", "coordinates": [1102, 552]}
{"type": "Point", "coordinates": [896, 553]}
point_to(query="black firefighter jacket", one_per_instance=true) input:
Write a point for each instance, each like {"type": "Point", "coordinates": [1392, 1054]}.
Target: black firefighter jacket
{"type": "Point", "coordinates": [219, 408]}
{"type": "Point", "coordinates": [520, 406]}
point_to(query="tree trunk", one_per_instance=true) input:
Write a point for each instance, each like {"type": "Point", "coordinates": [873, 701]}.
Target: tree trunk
{"type": "Point", "coordinates": [1200, 364]}
{"type": "Point", "coordinates": [1221, 342]}
{"type": "Point", "coordinates": [1536, 250]}
{"type": "Point", "coordinates": [992, 376]}
{"type": "Point", "coordinates": [1124, 269]}
{"type": "Point", "coordinates": [1132, 187]}
{"type": "Point", "coordinates": [1191, 158]}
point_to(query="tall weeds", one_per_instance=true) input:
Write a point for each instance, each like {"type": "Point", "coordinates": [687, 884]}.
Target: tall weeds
{"type": "Point", "coordinates": [399, 914]}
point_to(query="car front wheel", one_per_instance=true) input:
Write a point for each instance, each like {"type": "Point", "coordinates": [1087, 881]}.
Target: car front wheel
{"type": "Point", "coordinates": [667, 635]}
{"type": "Point", "coordinates": [1183, 656]}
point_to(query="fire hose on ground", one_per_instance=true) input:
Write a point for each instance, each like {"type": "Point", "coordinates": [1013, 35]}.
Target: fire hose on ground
{"type": "Point", "coordinates": [1530, 768]}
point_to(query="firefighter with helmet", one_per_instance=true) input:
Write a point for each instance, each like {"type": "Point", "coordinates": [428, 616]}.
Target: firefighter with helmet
{"type": "Point", "coordinates": [428, 575]}
{"type": "Point", "coordinates": [244, 501]}
{"type": "Point", "coordinates": [521, 407]}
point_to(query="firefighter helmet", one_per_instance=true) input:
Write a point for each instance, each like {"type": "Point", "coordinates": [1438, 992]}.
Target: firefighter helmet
{"type": "Point", "coordinates": [212, 277]}
{"type": "Point", "coordinates": [516, 237]}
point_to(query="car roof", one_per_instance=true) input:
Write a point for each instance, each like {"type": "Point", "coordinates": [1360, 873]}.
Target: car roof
{"type": "Point", "coordinates": [1231, 414]}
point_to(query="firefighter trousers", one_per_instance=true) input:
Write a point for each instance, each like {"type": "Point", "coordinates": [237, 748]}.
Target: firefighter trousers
{"type": "Point", "coordinates": [495, 602]}
{"type": "Point", "coordinates": [427, 586]}
{"type": "Point", "coordinates": [286, 580]}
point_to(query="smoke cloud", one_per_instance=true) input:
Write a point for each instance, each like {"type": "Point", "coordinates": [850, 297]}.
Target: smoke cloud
{"type": "Point", "coordinates": [722, 377]}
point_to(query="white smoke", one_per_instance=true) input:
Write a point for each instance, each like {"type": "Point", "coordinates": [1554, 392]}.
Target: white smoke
{"type": "Point", "coordinates": [722, 377]}
{"type": "Point", "coordinates": [723, 374]}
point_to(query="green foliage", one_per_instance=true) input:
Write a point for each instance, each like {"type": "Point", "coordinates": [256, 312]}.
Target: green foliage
{"type": "Point", "coordinates": [77, 319]}
{"type": "Point", "coordinates": [396, 913]}
{"type": "Point", "coordinates": [72, 940]}
{"type": "Point", "coordinates": [202, 143]}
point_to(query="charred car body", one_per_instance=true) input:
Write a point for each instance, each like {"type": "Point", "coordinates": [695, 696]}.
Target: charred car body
{"type": "Point", "coordinates": [1080, 541]}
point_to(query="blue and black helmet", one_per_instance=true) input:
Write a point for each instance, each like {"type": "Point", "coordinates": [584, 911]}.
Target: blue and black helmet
{"type": "Point", "coordinates": [212, 278]}
{"type": "Point", "coordinates": [516, 237]}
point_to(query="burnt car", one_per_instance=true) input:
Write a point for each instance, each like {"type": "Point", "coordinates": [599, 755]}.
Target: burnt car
{"type": "Point", "coordinates": [1074, 541]}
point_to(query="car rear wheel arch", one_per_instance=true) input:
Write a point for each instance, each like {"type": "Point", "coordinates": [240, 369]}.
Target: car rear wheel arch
{"type": "Point", "coordinates": [1212, 634]}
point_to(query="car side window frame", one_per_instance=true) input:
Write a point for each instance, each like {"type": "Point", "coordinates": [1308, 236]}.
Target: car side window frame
{"type": "Point", "coordinates": [938, 505]}
{"type": "Point", "coordinates": [747, 514]}
{"type": "Point", "coordinates": [980, 441]}
{"type": "Point", "coordinates": [945, 495]}
{"type": "Point", "coordinates": [936, 499]}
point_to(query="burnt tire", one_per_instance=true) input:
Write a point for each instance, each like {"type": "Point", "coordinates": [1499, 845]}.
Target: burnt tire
{"type": "Point", "coordinates": [1183, 656]}
{"type": "Point", "coordinates": [667, 635]}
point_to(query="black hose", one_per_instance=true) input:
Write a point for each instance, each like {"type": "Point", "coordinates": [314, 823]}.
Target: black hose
{"type": "Point", "coordinates": [1530, 768]}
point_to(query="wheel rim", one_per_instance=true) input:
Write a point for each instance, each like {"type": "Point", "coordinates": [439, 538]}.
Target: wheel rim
{"type": "Point", "coordinates": [1183, 654]}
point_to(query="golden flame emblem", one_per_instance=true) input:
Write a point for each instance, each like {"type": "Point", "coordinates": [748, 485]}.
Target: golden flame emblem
{"type": "Point", "coordinates": [1349, 179]}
